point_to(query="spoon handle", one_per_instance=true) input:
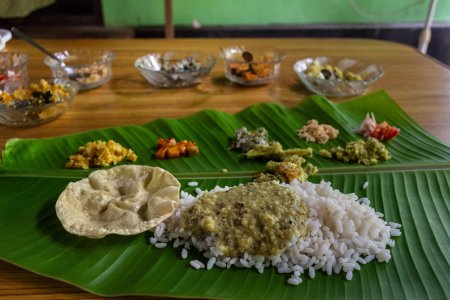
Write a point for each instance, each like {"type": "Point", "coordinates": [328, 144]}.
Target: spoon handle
{"type": "Point", "coordinates": [33, 43]}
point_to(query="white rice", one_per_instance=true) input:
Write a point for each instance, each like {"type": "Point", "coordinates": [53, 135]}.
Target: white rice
{"type": "Point", "coordinates": [196, 264]}
{"type": "Point", "coordinates": [184, 253]}
{"type": "Point", "coordinates": [344, 232]}
{"type": "Point", "coordinates": [349, 275]}
{"type": "Point", "coordinates": [365, 185]}
{"type": "Point", "coordinates": [294, 280]}
{"type": "Point", "coordinates": [193, 183]}
{"type": "Point", "coordinates": [211, 263]}
{"type": "Point", "coordinates": [160, 245]}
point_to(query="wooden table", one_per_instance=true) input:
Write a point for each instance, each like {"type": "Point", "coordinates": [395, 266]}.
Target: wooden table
{"type": "Point", "coordinates": [420, 85]}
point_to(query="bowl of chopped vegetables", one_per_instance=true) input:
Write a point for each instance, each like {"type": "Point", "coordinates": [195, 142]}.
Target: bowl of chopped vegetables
{"type": "Point", "coordinates": [41, 102]}
{"type": "Point", "coordinates": [175, 69]}
{"type": "Point", "coordinates": [91, 68]}
{"type": "Point", "coordinates": [337, 77]}
{"type": "Point", "coordinates": [252, 66]}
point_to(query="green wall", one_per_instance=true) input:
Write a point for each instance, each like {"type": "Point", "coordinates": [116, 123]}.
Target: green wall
{"type": "Point", "coordinates": [263, 12]}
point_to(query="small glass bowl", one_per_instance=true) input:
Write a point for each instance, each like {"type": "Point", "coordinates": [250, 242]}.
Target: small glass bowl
{"type": "Point", "coordinates": [334, 87]}
{"type": "Point", "coordinates": [175, 69]}
{"type": "Point", "coordinates": [13, 70]}
{"type": "Point", "coordinates": [89, 67]}
{"type": "Point", "coordinates": [25, 113]}
{"type": "Point", "coordinates": [252, 66]}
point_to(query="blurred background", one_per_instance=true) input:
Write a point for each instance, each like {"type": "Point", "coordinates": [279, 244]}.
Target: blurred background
{"type": "Point", "coordinates": [400, 20]}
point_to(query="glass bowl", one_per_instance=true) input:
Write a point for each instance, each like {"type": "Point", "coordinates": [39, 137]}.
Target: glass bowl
{"type": "Point", "coordinates": [13, 70]}
{"type": "Point", "coordinates": [27, 112]}
{"type": "Point", "coordinates": [89, 67]}
{"type": "Point", "coordinates": [252, 66]}
{"type": "Point", "coordinates": [175, 69]}
{"type": "Point", "coordinates": [351, 78]}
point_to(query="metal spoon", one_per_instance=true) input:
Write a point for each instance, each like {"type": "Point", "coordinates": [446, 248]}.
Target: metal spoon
{"type": "Point", "coordinates": [32, 42]}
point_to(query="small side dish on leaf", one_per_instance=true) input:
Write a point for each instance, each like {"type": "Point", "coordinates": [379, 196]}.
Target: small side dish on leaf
{"type": "Point", "coordinates": [100, 154]}
{"type": "Point", "coordinates": [170, 148]}
{"type": "Point", "coordinates": [368, 152]}
{"type": "Point", "coordinates": [382, 131]}
{"type": "Point", "coordinates": [317, 133]}
{"type": "Point", "coordinates": [283, 165]}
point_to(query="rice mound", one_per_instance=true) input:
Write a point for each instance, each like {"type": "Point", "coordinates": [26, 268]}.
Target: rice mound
{"type": "Point", "coordinates": [344, 232]}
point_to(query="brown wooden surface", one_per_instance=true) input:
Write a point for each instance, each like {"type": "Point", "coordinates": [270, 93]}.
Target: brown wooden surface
{"type": "Point", "coordinates": [420, 85]}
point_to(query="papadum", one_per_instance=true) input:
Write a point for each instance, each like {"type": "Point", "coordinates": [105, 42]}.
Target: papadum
{"type": "Point", "coordinates": [124, 200]}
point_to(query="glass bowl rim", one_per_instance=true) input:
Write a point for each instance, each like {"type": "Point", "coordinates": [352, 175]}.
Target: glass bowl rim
{"type": "Point", "coordinates": [280, 54]}
{"type": "Point", "coordinates": [25, 56]}
{"type": "Point", "coordinates": [106, 56]}
{"type": "Point", "coordinates": [210, 57]}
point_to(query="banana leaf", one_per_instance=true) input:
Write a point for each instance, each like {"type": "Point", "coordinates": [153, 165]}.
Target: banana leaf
{"type": "Point", "coordinates": [412, 188]}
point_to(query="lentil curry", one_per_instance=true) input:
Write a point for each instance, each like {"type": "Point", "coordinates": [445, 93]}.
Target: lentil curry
{"type": "Point", "coordinates": [256, 218]}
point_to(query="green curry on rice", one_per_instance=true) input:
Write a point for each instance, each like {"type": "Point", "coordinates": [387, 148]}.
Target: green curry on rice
{"type": "Point", "coordinates": [256, 218]}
